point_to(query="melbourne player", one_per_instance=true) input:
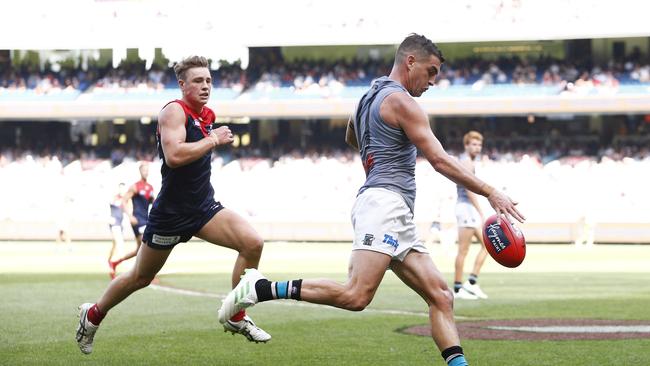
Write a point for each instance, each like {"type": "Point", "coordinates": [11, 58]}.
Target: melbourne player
{"type": "Point", "coordinates": [136, 200]}
{"type": "Point", "coordinates": [469, 218]}
{"type": "Point", "coordinates": [185, 206]}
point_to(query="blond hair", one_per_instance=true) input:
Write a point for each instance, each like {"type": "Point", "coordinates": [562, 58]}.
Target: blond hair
{"type": "Point", "coordinates": [472, 135]}
{"type": "Point", "coordinates": [187, 63]}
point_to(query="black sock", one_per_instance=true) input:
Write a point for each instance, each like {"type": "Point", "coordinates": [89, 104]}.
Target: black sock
{"type": "Point", "coordinates": [473, 279]}
{"type": "Point", "coordinates": [267, 290]}
{"type": "Point", "coordinates": [457, 286]}
{"type": "Point", "coordinates": [454, 353]}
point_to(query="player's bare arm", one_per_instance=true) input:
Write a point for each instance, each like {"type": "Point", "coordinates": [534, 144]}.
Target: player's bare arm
{"type": "Point", "coordinates": [172, 135]}
{"type": "Point", "coordinates": [400, 110]}
{"type": "Point", "coordinates": [350, 135]}
{"type": "Point", "coordinates": [127, 205]}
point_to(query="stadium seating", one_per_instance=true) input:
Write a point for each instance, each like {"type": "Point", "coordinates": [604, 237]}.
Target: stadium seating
{"type": "Point", "coordinates": [320, 190]}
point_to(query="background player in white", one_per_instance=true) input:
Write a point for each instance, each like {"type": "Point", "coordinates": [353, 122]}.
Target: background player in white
{"type": "Point", "coordinates": [387, 129]}
{"type": "Point", "coordinates": [469, 218]}
{"type": "Point", "coordinates": [115, 224]}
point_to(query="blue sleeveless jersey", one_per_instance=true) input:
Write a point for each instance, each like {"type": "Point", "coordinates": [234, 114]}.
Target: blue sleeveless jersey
{"type": "Point", "coordinates": [142, 198]}
{"type": "Point", "coordinates": [186, 189]}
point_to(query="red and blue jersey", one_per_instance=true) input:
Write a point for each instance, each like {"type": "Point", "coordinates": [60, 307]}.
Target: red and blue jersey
{"type": "Point", "coordinates": [187, 189]}
{"type": "Point", "coordinates": [141, 199]}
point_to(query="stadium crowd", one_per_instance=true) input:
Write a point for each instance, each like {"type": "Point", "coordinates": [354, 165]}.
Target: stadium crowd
{"type": "Point", "coordinates": [296, 180]}
{"type": "Point", "coordinates": [267, 73]}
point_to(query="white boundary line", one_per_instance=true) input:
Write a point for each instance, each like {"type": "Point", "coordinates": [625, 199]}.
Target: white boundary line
{"type": "Point", "coordinates": [185, 292]}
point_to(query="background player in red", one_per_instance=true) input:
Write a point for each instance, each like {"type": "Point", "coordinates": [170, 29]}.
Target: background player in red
{"type": "Point", "coordinates": [185, 206]}
{"type": "Point", "coordinates": [136, 202]}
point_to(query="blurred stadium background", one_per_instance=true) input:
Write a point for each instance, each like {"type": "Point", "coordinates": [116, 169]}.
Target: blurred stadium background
{"type": "Point", "coordinates": [565, 108]}
{"type": "Point", "coordinates": [560, 90]}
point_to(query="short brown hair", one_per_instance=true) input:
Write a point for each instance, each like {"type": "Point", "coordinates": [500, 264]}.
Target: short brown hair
{"type": "Point", "coordinates": [187, 63]}
{"type": "Point", "coordinates": [472, 135]}
{"type": "Point", "coordinates": [418, 45]}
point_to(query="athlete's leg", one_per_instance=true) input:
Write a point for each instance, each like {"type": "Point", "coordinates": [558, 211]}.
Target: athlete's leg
{"type": "Point", "coordinates": [367, 269]}
{"type": "Point", "coordinates": [482, 254]}
{"type": "Point", "coordinates": [118, 241]}
{"type": "Point", "coordinates": [230, 230]}
{"type": "Point", "coordinates": [134, 252]}
{"type": "Point", "coordinates": [464, 239]}
{"type": "Point", "coordinates": [419, 273]}
{"type": "Point", "coordinates": [147, 264]}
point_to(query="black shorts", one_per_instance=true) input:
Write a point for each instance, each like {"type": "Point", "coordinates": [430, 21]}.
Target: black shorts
{"type": "Point", "coordinates": [164, 231]}
{"type": "Point", "coordinates": [138, 229]}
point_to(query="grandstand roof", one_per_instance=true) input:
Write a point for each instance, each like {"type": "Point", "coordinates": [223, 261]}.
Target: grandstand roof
{"type": "Point", "coordinates": [230, 26]}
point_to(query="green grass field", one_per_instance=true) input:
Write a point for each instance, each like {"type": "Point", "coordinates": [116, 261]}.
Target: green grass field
{"type": "Point", "coordinates": [41, 286]}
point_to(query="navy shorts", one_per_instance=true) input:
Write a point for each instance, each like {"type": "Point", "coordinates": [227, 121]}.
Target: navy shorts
{"type": "Point", "coordinates": [164, 231]}
{"type": "Point", "coordinates": [138, 229]}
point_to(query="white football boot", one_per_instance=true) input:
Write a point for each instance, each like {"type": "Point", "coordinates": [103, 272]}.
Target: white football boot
{"type": "Point", "coordinates": [464, 295]}
{"type": "Point", "coordinates": [86, 330]}
{"type": "Point", "coordinates": [474, 289]}
{"type": "Point", "coordinates": [248, 329]}
{"type": "Point", "coordinates": [241, 297]}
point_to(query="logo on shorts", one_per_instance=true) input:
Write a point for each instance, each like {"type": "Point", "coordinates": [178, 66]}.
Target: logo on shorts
{"type": "Point", "coordinates": [388, 239]}
{"type": "Point", "coordinates": [165, 240]}
{"type": "Point", "coordinates": [368, 239]}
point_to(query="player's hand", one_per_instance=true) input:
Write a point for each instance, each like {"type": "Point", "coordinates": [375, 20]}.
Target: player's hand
{"type": "Point", "coordinates": [504, 205]}
{"type": "Point", "coordinates": [133, 220]}
{"type": "Point", "coordinates": [222, 136]}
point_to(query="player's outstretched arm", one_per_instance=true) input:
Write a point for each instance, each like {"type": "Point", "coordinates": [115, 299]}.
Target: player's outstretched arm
{"type": "Point", "coordinates": [413, 120]}
{"type": "Point", "coordinates": [177, 152]}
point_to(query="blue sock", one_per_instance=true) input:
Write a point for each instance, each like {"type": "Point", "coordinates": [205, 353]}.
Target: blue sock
{"type": "Point", "coordinates": [267, 290]}
{"type": "Point", "coordinates": [454, 356]}
{"type": "Point", "coordinates": [458, 361]}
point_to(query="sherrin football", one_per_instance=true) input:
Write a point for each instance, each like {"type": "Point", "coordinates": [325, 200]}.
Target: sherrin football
{"type": "Point", "coordinates": [505, 242]}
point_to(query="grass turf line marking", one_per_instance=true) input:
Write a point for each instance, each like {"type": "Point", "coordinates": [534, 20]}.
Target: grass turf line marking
{"type": "Point", "coordinates": [186, 292]}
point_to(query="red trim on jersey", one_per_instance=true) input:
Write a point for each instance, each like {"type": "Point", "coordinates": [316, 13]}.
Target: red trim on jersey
{"type": "Point", "coordinates": [201, 120]}
{"type": "Point", "coordinates": [143, 188]}
{"type": "Point", "coordinates": [205, 118]}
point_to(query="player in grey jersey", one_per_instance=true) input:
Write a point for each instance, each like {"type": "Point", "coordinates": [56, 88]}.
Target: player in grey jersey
{"type": "Point", "coordinates": [387, 128]}
{"type": "Point", "coordinates": [469, 218]}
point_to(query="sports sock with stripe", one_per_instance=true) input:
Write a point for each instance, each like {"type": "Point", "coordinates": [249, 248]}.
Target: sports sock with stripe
{"type": "Point", "coordinates": [473, 279]}
{"type": "Point", "coordinates": [267, 290]}
{"type": "Point", "coordinates": [457, 286]}
{"type": "Point", "coordinates": [454, 356]}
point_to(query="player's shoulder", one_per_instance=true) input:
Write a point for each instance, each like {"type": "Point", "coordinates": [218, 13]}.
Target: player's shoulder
{"type": "Point", "coordinates": [402, 103]}
{"type": "Point", "coordinates": [172, 109]}
{"type": "Point", "coordinates": [401, 106]}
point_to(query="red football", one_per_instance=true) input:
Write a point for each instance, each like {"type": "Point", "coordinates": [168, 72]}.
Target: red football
{"type": "Point", "coordinates": [505, 242]}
